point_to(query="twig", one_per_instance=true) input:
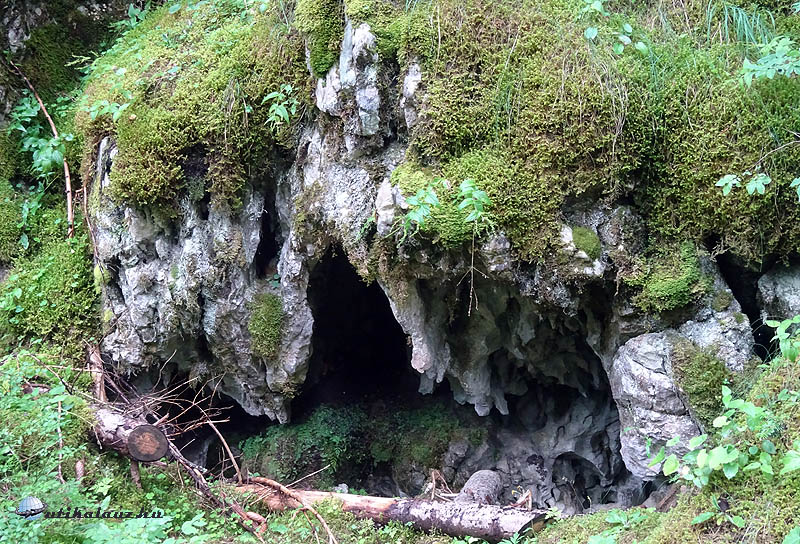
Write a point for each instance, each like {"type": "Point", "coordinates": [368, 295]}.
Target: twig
{"type": "Point", "coordinates": [60, 445]}
{"type": "Point", "coordinates": [227, 450]}
{"type": "Point", "coordinates": [326, 467]}
{"type": "Point", "coordinates": [54, 130]}
{"type": "Point", "coordinates": [297, 497]}
{"type": "Point", "coordinates": [135, 476]}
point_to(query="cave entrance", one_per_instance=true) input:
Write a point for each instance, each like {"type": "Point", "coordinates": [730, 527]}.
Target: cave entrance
{"type": "Point", "coordinates": [359, 351]}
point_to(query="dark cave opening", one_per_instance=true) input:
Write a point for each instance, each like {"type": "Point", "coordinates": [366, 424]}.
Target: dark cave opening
{"type": "Point", "coordinates": [359, 351]}
{"type": "Point", "coordinates": [266, 259]}
{"type": "Point", "coordinates": [743, 283]}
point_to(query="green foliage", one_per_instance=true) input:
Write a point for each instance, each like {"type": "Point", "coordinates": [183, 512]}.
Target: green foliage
{"type": "Point", "coordinates": [135, 16]}
{"type": "Point", "coordinates": [420, 206]}
{"type": "Point", "coordinates": [283, 106]}
{"type": "Point", "coordinates": [586, 240]}
{"type": "Point", "coordinates": [190, 83]}
{"type": "Point", "coordinates": [736, 24]}
{"type": "Point", "coordinates": [349, 438]}
{"type": "Point", "coordinates": [266, 325]}
{"type": "Point", "coordinates": [669, 281]}
{"type": "Point", "coordinates": [30, 421]}
{"type": "Point", "coordinates": [778, 57]}
{"type": "Point", "coordinates": [50, 295]}
{"type": "Point", "coordinates": [700, 374]}
{"type": "Point", "coordinates": [47, 151]}
{"type": "Point", "coordinates": [323, 22]}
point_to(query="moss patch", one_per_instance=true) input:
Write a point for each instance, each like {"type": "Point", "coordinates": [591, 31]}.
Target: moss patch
{"type": "Point", "coordinates": [50, 296]}
{"type": "Point", "coordinates": [266, 325]}
{"type": "Point", "coordinates": [353, 437]}
{"type": "Point", "coordinates": [323, 22]}
{"type": "Point", "coordinates": [669, 280]}
{"type": "Point", "coordinates": [586, 240]}
{"type": "Point", "coordinates": [192, 84]}
{"type": "Point", "coordinates": [700, 374]}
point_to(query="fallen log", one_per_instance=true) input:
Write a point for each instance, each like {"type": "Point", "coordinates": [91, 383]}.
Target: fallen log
{"type": "Point", "coordinates": [485, 521]}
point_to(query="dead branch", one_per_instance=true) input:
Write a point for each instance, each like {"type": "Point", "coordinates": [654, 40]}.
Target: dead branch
{"type": "Point", "coordinates": [54, 130]}
{"type": "Point", "coordinates": [299, 498]}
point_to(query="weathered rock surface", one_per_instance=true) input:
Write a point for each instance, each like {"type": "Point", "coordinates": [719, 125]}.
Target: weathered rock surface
{"type": "Point", "coordinates": [779, 293]}
{"type": "Point", "coordinates": [573, 379]}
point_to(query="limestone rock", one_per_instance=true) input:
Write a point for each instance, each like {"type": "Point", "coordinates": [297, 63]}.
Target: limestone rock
{"type": "Point", "coordinates": [651, 405]}
{"type": "Point", "coordinates": [779, 293]}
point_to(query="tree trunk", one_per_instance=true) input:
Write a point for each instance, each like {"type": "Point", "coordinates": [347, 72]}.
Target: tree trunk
{"type": "Point", "coordinates": [489, 522]}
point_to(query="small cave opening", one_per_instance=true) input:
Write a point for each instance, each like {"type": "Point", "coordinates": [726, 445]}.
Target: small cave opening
{"type": "Point", "coordinates": [359, 350]}
{"type": "Point", "coordinates": [269, 247]}
{"type": "Point", "coordinates": [743, 283]}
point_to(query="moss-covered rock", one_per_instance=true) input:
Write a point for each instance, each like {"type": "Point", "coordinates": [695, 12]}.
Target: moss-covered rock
{"type": "Point", "coordinates": [192, 85]}
{"type": "Point", "coordinates": [586, 240]}
{"type": "Point", "coordinates": [701, 375]}
{"type": "Point", "coordinates": [266, 325]}
{"type": "Point", "coordinates": [669, 280]}
{"type": "Point", "coordinates": [323, 22]}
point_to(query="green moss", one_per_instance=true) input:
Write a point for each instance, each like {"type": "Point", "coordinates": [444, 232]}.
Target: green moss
{"type": "Point", "coordinates": [10, 216]}
{"type": "Point", "coordinates": [323, 22]}
{"type": "Point", "coordinates": [722, 299]}
{"type": "Point", "coordinates": [353, 438]}
{"type": "Point", "coordinates": [101, 278]}
{"type": "Point", "coordinates": [9, 157]}
{"type": "Point", "coordinates": [739, 317]}
{"type": "Point", "coordinates": [726, 128]}
{"type": "Point", "coordinates": [266, 325]}
{"type": "Point", "coordinates": [196, 80]}
{"type": "Point", "coordinates": [670, 280]}
{"type": "Point", "coordinates": [586, 240]}
{"type": "Point", "coordinates": [50, 296]}
{"type": "Point", "coordinates": [700, 374]}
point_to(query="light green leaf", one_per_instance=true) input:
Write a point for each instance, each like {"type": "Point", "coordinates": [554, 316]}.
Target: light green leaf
{"type": "Point", "coordinates": [590, 33]}
{"type": "Point", "coordinates": [671, 465]}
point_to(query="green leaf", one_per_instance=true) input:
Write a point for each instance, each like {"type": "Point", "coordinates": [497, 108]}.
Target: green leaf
{"type": "Point", "coordinates": [673, 441]}
{"type": "Point", "coordinates": [738, 521]}
{"type": "Point", "coordinates": [720, 421]}
{"type": "Point", "coordinates": [793, 537]}
{"type": "Point", "coordinates": [730, 470]}
{"type": "Point", "coordinates": [618, 48]}
{"type": "Point", "coordinates": [627, 28]}
{"type": "Point", "coordinates": [641, 47]}
{"type": "Point", "coordinates": [768, 447]}
{"type": "Point", "coordinates": [671, 465]}
{"type": "Point", "coordinates": [791, 462]}
{"type": "Point", "coordinates": [175, 8]}
{"type": "Point", "coordinates": [697, 441]}
{"type": "Point", "coordinates": [702, 518]}
{"type": "Point", "coordinates": [590, 33]}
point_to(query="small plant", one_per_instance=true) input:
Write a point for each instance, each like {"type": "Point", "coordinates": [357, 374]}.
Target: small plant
{"type": "Point", "coordinates": [620, 520]}
{"type": "Point", "coordinates": [789, 343]}
{"type": "Point", "coordinates": [135, 16]}
{"type": "Point", "coordinates": [778, 57]}
{"type": "Point", "coordinates": [720, 516]}
{"type": "Point", "coordinates": [283, 106]}
{"type": "Point", "coordinates": [420, 207]}
{"type": "Point", "coordinates": [47, 151]}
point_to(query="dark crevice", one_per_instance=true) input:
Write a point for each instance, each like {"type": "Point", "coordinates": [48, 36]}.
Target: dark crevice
{"type": "Point", "coordinates": [359, 352]}
{"type": "Point", "coordinates": [269, 244]}
{"type": "Point", "coordinates": [743, 283]}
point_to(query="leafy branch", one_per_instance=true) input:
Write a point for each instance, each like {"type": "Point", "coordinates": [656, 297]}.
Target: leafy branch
{"type": "Point", "coordinates": [53, 150]}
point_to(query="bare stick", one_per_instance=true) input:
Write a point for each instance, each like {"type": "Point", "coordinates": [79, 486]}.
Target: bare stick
{"type": "Point", "coordinates": [135, 476]}
{"type": "Point", "coordinates": [299, 498]}
{"type": "Point", "coordinates": [54, 130]}
{"type": "Point", "coordinates": [60, 445]}
{"type": "Point", "coordinates": [227, 450]}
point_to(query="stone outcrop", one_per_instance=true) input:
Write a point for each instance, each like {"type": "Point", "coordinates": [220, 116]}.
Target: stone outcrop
{"type": "Point", "coordinates": [779, 293]}
{"type": "Point", "coordinates": [582, 377]}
